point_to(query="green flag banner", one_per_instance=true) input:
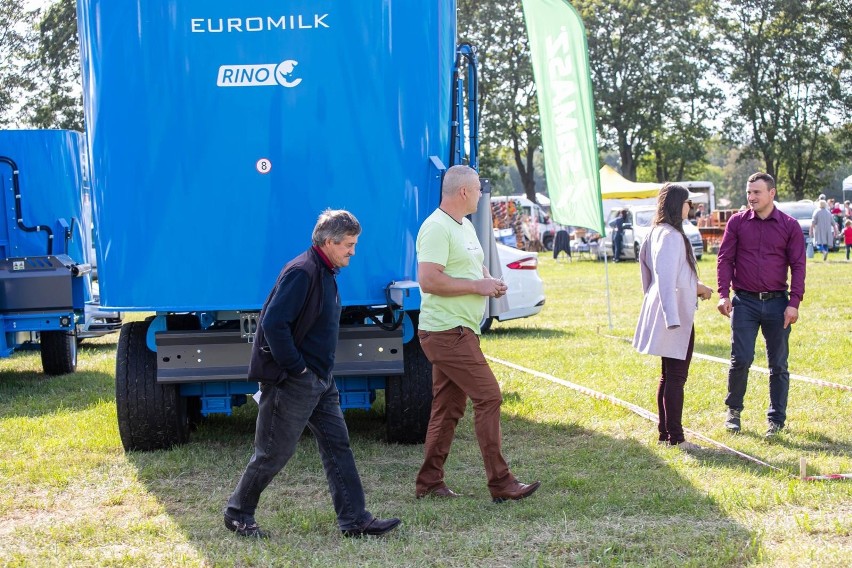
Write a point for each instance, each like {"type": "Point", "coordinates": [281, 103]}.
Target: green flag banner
{"type": "Point", "coordinates": [560, 58]}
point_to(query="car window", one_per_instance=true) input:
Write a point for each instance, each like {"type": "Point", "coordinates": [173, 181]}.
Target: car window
{"type": "Point", "coordinates": [643, 218]}
{"type": "Point", "coordinates": [798, 210]}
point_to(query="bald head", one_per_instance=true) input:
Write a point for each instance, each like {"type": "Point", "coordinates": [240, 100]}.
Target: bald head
{"type": "Point", "coordinates": [458, 177]}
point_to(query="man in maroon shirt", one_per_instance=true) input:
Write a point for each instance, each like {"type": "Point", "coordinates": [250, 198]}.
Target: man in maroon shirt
{"type": "Point", "coordinates": [758, 247]}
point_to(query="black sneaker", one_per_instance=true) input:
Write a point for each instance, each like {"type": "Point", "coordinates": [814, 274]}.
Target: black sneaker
{"type": "Point", "coordinates": [773, 429]}
{"type": "Point", "coordinates": [373, 527]}
{"type": "Point", "coordinates": [732, 421]}
{"type": "Point", "coordinates": [251, 530]}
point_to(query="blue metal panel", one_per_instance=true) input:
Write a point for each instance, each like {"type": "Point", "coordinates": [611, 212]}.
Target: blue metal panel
{"type": "Point", "coordinates": [51, 181]}
{"type": "Point", "coordinates": [345, 100]}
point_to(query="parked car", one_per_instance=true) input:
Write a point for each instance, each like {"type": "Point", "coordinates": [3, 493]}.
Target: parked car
{"type": "Point", "coordinates": [803, 212]}
{"type": "Point", "coordinates": [526, 289]}
{"type": "Point", "coordinates": [638, 227]}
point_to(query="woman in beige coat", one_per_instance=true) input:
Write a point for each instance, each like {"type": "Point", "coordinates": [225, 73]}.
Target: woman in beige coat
{"type": "Point", "coordinates": [671, 286]}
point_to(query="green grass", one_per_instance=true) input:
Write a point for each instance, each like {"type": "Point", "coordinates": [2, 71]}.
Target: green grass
{"type": "Point", "coordinates": [69, 495]}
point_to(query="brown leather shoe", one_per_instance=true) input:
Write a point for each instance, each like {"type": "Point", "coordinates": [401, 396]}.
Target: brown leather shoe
{"type": "Point", "coordinates": [516, 491]}
{"type": "Point", "coordinates": [443, 492]}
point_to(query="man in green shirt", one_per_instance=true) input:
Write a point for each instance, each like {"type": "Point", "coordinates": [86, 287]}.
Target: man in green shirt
{"type": "Point", "coordinates": [455, 285]}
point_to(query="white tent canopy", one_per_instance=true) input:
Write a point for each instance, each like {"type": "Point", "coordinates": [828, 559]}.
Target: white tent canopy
{"type": "Point", "coordinates": [847, 185]}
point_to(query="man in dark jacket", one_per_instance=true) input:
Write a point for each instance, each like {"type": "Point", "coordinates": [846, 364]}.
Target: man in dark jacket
{"type": "Point", "coordinates": [292, 357]}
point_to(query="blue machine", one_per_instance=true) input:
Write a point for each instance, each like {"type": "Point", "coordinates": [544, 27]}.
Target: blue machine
{"type": "Point", "coordinates": [45, 282]}
{"type": "Point", "coordinates": [218, 132]}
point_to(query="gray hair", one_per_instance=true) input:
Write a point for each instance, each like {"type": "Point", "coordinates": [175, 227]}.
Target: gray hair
{"type": "Point", "coordinates": [822, 204]}
{"type": "Point", "coordinates": [335, 224]}
{"type": "Point", "coordinates": [457, 177]}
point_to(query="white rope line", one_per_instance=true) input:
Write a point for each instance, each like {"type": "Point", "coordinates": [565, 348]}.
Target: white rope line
{"type": "Point", "coordinates": [764, 370]}
{"type": "Point", "coordinates": [647, 414]}
{"type": "Point", "coordinates": [644, 413]}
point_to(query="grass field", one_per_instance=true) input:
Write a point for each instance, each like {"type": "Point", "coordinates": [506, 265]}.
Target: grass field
{"type": "Point", "coordinates": [70, 496]}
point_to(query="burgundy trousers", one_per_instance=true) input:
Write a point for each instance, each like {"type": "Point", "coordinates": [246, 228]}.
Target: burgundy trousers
{"type": "Point", "coordinates": [670, 395]}
{"type": "Point", "coordinates": [459, 371]}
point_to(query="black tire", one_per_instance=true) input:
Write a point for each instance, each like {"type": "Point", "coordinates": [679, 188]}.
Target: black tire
{"type": "Point", "coordinates": [485, 324]}
{"type": "Point", "coordinates": [151, 416]}
{"type": "Point", "coordinates": [408, 399]}
{"type": "Point", "coordinates": [636, 248]}
{"type": "Point", "coordinates": [547, 243]}
{"type": "Point", "coordinates": [58, 352]}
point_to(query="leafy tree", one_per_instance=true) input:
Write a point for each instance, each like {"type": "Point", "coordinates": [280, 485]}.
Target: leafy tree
{"type": "Point", "coordinates": [508, 105]}
{"type": "Point", "coordinates": [648, 70]}
{"type": "Point", "coordinates": [13, 53]}
{"type": "Point", "coordinates": [55, 70]}
{"type": "Point", "coordinates": [790, 62]}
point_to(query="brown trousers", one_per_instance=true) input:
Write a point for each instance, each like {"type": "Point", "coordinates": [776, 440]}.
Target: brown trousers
{"type": "Point", "coordinates": [459, 371]}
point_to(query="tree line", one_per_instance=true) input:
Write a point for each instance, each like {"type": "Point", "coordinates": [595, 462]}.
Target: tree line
{"type": "Point", "coordinates": [684, 89]}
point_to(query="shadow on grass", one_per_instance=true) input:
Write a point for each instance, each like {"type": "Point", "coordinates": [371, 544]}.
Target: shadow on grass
{"type": "Point", "coordinates": [813, 442]}
{"type": "Point", "coordinates": [26, 393]}
{"type": "Point", "coordinates": [529, 333]}
{"type": "Point", "coordinates": [603, 500]}
{"type": "Point", "coordinates": [97, 348]}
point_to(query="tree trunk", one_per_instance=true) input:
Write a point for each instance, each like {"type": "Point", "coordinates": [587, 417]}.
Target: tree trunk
{"type": "Point", "coordinates": [526, 169]}
{"type": "Point", "coordinates": [661, 166]}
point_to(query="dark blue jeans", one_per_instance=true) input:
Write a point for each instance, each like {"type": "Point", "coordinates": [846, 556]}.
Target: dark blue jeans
{"type": "Point", "coordinates": [618, 245]}
{"type": "Point", "coordinates": [749, 315]}
{"type": "Point", "coordinates": [283, 413]}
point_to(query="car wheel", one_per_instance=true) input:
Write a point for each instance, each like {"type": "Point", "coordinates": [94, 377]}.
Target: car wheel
{"type": "Point", "coordinates": [408, 398]}
{"type": "Point", "coordinates": [636, 248]}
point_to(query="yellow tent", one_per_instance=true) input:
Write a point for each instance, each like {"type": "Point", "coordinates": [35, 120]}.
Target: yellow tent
{"type": "Point", "coordinates": [614, 186]}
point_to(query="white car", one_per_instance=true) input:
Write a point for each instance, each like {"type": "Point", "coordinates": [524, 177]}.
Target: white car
{"type": "Point", "coordinates": [526, 289]}
{"type": "Point", "coordinates": [638, 227]}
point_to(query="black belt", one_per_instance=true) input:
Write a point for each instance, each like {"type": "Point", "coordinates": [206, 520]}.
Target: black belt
{"type": "Point", "coordinates": [761, 295]}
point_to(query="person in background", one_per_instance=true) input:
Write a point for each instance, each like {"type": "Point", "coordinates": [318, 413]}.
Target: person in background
{"type": "Point", "coordinates": [822, 229]}
{"type": "Point", "coordinates": [455, 285]}
{"type": "Point", "coordinates": [665, 328]}
{"type": "Point", "coordinates": [292, 357]}
{"type": "Point", "coordinates": [847, 237]}
{"type": "Point", "coordinates": [618, 235]}
{"type": "Point", "coordinates": [700, 215]}
{"type": "Point", "coordinates": [758, 247]}
{"type": "Point", "coordinates": [837, 217]}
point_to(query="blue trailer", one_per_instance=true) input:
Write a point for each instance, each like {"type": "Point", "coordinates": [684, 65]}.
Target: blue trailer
{"type": "Point", "coordinates": [218, 131]}
{"type": "Point", "coordinates": [46, 296]}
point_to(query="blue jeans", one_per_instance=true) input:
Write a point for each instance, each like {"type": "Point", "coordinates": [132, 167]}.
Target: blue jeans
{"type": "Point", "coordinates": [284, 411]}
{"type": "Point", "coordinates": [618, 244]}
{"type": "Point", "coordinates": [748, 315]}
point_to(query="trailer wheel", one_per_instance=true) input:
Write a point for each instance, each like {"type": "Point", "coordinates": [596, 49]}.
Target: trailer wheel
{"type": "Point", "coordinates": [58, 352]}
{"type": "Point", "coordinates": [408, 399]}
{"type": "Point", "coordinates": [485, 324]}
{"type": "Point", "coordinates": [151, 416]}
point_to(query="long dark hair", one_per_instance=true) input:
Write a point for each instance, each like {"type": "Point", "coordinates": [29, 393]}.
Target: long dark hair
{"type": "Point", "coordinates": [670, 211]}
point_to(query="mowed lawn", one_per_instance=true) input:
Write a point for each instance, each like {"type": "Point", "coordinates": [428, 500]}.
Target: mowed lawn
{"type": "Point", "coordinates": [70, 496]}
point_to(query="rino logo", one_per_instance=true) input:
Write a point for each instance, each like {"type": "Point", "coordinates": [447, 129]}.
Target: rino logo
{"type": "Point", "coordinates": [264, 75]}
